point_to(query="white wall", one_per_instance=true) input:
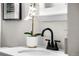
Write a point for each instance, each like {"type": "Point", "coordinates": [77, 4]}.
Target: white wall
{"type": "Point", "coordinates": [73, 29]}
{"type": "Point", "coordinates": [0, 25]}
{"type": "Point", "coordinates": [12, 31]}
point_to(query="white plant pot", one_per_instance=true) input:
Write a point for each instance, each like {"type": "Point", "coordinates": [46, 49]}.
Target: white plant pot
{"type": "Point", "coordinates": [32, 42]}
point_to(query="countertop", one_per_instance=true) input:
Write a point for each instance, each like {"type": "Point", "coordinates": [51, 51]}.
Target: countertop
{"type": "Point", "coordinates": [24, 51]}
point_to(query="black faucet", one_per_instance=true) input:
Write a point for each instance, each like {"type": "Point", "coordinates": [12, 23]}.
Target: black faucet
{"type": "Point", "coordinates": [53, 44]}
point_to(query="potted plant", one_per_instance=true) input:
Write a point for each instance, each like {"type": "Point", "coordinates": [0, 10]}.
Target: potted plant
{"type": "Point", "coordinates": [32, 40]}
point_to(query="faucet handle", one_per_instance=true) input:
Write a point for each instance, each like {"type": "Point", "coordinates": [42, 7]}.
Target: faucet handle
{"type": "Point", "coordinates": [47, 39]}
{"type": "Point", "coordinates": [56, 45]}
{"type": "Point", "coordinates": [48, 44]}
{"type": "Point", "coordinates": [57, 40]}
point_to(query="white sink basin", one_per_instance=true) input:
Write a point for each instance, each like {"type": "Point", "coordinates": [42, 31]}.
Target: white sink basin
{"type": "Point", "coordinates": [36, 52]}
{"type": "Point", "coordinates": [22, 51]}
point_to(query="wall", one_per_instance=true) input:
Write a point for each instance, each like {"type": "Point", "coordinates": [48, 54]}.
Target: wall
{"type": "Point", "coordinates": [0, 25]}
{"type": "Point", "coordinates": [73, 29]}
{"type": "Point", "coordinates": [12, 31]}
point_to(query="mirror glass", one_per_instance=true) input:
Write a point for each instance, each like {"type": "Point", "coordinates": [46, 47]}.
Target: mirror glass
{"type": "Point", "coordinates": [52, 11]}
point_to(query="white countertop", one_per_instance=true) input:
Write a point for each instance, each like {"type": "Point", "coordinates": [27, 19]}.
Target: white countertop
{"type": "Point", "coordinates": [24, 51]}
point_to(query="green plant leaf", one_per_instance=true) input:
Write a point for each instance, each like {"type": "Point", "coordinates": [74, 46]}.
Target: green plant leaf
{"type": "Point", "coordinates": [38, 34]}
{"type": "Point", "coordinates": [28, 33]}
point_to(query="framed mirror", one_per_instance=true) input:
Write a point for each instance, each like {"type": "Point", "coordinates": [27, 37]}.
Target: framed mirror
{"type": "Point", "coordinates": [11, 11]}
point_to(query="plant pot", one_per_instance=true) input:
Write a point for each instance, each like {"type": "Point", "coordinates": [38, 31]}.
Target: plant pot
{"type": "Point", "coordinates": [32, 42]}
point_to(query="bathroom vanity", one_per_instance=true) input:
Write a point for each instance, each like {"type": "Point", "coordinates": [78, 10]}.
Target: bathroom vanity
{"type": "Point", "coordinates": [24, 51]}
